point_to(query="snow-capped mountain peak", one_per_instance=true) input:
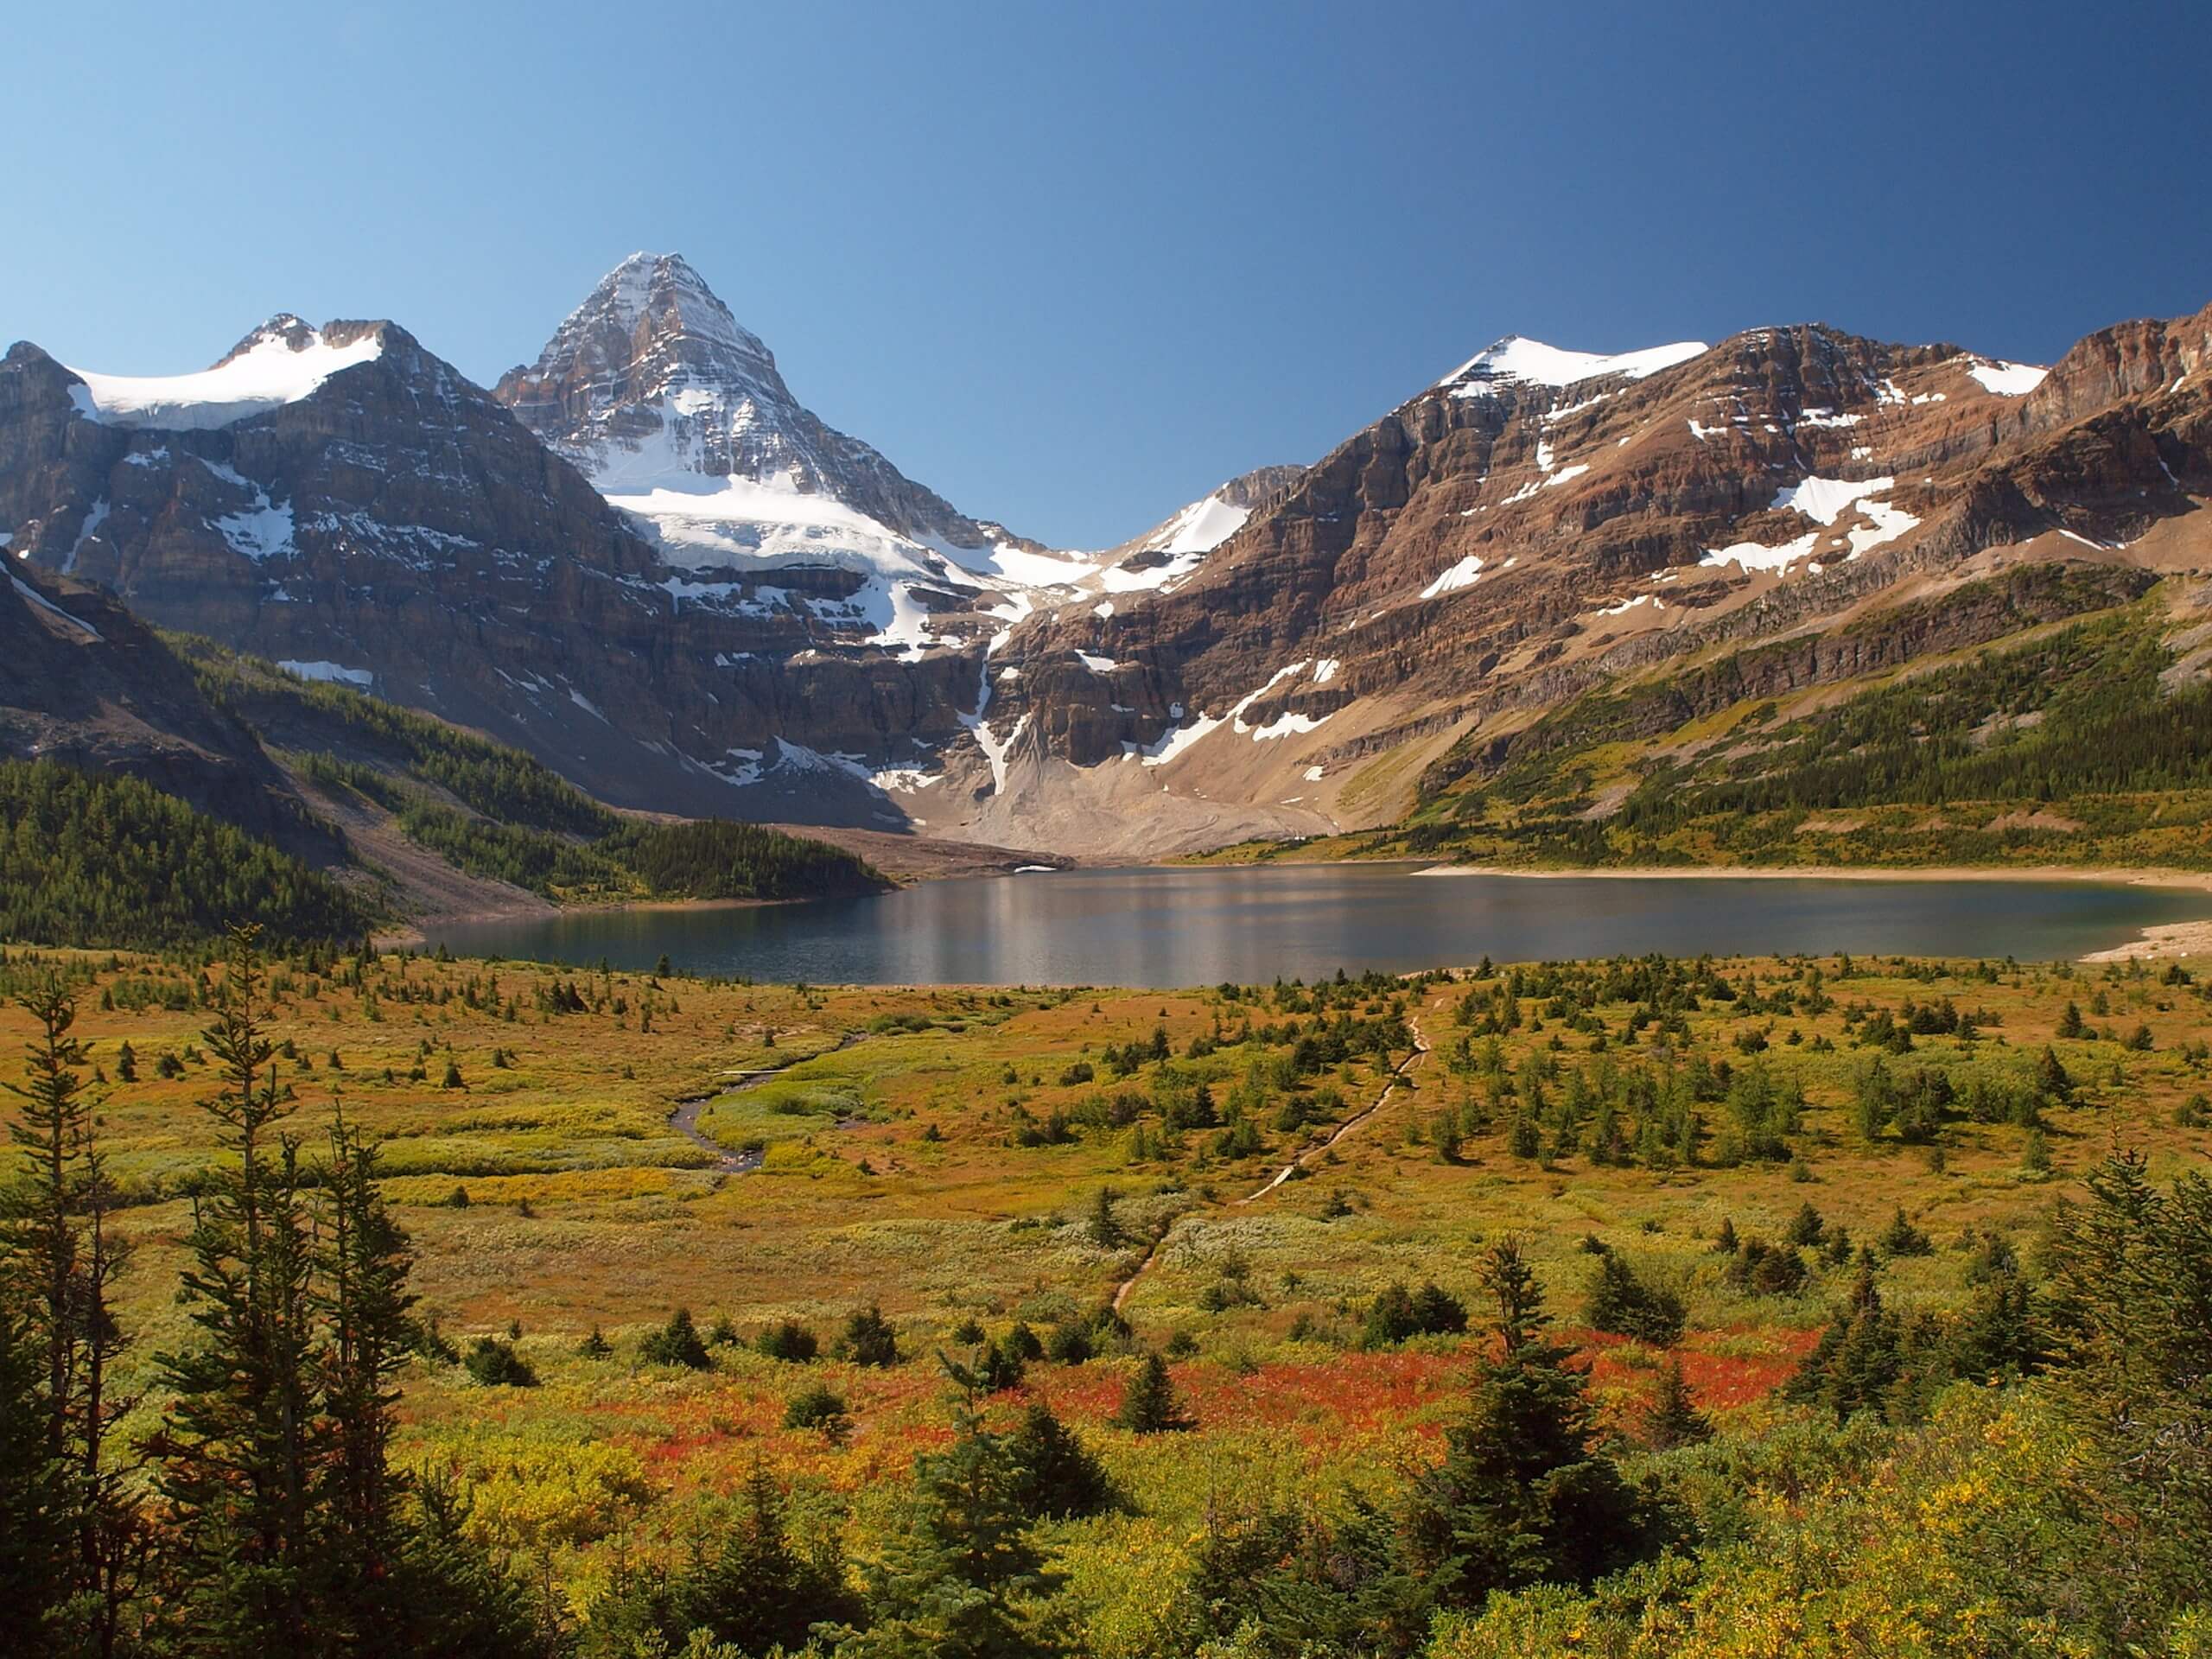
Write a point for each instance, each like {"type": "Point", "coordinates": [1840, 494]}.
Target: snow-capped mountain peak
{"type": "Point", "coordinates": [651, 382]}
{"type": "Point", "coordinates": [680, 416]}
{"type": "Point", "coordinates": [665, 287]}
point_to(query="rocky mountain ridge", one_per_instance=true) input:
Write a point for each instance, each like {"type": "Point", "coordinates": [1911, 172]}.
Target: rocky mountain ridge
{"type": "Point", "coordinates": [1507, 538]}
{"type": "Point", "coordinates": [643, 560]}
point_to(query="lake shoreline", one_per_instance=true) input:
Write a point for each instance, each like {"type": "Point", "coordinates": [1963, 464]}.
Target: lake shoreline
{"type": "Point", "coordinates": [414, 935]}
{"type": "Point", "coordinates": [2187, 881]}
{"type": "Point", "coordinates": [1163, 926]}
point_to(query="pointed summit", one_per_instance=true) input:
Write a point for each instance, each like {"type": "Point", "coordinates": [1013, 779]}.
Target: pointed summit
{"type": "Point", "coordinates": [663, 397]}
{"type": "Point", "coordinates": [651, 379]}
{"type": "Point", "coordinates": [662, 290]}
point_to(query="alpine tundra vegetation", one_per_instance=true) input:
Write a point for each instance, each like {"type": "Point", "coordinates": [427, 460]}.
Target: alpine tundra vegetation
{"type": "Point", "coordinates": [1652, 1305]}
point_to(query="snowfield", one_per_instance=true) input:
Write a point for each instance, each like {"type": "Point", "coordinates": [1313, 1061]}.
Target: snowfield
{"type": "Point", "coordinates": [1515, 358]}
{"type": "Point", "coordinates": [266, 374]}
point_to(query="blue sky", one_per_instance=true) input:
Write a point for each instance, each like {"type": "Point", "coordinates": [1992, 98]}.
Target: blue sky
{"type": "Point", "coordinates": [1072, 265]}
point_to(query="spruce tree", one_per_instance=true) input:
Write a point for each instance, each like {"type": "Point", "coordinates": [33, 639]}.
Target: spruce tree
{"type": "Point", "coordinates": [1056, 1477]}
{"type": "Point", "coordinates": [960, 1577]}
{"type": "Point", "coordinates": [1674, 1419]}
{"type": "Point", "coordinates": [238, 1450]}
{"type": "Point", "coordinates": [1148, 1404]}
{"type": "Point", "coordinates": [2131, 1318]}
{"type": "Point", "coordinates": [678, 1343]}
{"type": "Point", "coordinates": [371, 1331]}
{"type": "Point", "coordinates": [1624, 1305]}
{"type": "Point", "coordinates": [752, 1586]}
{"type": "Point", "coordinates": [61, 1259]}
{"type": "Point", "coordinates": [1860, 1359]}
{"type": "Point", "coordinates": [1105, 1229]}
{"type": "Point", "coordinates": [1806, 1228]}
{"type": "Point", "coordinates": [868, 1339]}
{"type": "Point", "coordinates": [34, 1505]}
{"type": "Point", "coordinates": [1521, 1496]}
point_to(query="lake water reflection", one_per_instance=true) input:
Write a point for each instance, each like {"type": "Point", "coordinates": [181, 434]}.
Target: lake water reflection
{"type": "Point", "coordinates": [1188, 926]}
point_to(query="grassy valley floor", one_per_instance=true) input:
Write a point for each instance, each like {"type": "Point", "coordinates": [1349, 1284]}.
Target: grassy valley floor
{"type": "Point", "coordinates": [975, 1162]}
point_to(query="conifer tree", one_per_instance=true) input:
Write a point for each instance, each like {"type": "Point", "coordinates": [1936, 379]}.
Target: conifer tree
{"type": "Point", "coordinates": [1105, 1229]}
{"type": "Point", "coordinates": [2131, 1317]}
{"type": "Point", "coordinates": [1858, 1359]}
{"type": "Point", "coordinates": [868, 1339]}
{"type": "Point", "coordinates": [1521, 1496]}
{"type": "Point", "coordinates": [1056, 1476]}
{"type": "Point", "coordinates": [751, 1586]}
{"type": "Point", "coordinates": [1674, 1419]}
{"type": "Point", "coordinates": [371, 1333]}
{"type": "Point", "coordinates": [1148, 1404]}
{"type": "Point", "coordinates": [1624, 1304]}
{"type": "Point", "coordinates": [960, 1578]}
{"type": "Point", "coordinates": [33, 1501]}
{"type": "Point", "coordinates": [239, 1449]}
{"type": "Point", "coordinates": [62, 1258]}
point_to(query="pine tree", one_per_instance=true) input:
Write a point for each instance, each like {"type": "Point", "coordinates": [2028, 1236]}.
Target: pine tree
{"type": "Point", "coordinates": [1901, 1237]}
{"type": "Point", "coordinates": [1514, 1293]}
{"type": "Point", "coordinates": [1623, 1304]}
{"type": "Point", "coordinates": [1148, 1404]}
{"type": "Point", "coordinates": [678, 1343]}
{"type": "Point", "coordinates": [34, 1494]}
{"type": "Point", "coordinates": [1860, 1359]}
{"type": "Point", "coordinates": [2052, 1077]}
{"type": "Point", "coordinates": [1105, 1229]}
{"type": "Point", "coordinates": [1806, 1228]}
{"type": "Point", "coordinates": [751, 1587]}
{"type": "Point", "coordinates": [1390, 1319]}
{"type": "Point", "coordinates": [868, 1339]}
{"type": "Point", "coordinates": [459, 1600]}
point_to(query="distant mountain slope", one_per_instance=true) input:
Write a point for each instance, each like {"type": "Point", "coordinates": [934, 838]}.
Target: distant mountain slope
{"type": "Point", "coordinates": [153, 789]}
{"type": "Point", "coordinates": [85, 682]}
{"type": "Point", "coordinates": [765, 621]}
{"type": "Point", "coordinates": [1541, 523]}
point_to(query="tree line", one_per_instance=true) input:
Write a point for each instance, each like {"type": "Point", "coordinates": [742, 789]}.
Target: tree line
{"type": "Point", "coordinates": [93, 860]}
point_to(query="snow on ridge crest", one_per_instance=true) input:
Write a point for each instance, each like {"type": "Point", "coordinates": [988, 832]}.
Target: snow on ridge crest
{"type": "Point", "coordinates": [279, 363]}
{"type": "Point", "coordinates": [1517, 358]}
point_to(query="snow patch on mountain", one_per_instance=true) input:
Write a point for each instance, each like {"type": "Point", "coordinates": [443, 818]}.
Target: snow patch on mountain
{"type": "Point", "coordinates": [281, 363]}
{"type": "Point", "coordinates": [1515, 358]}
{"type": "Point", "coordinates": [94, 517]}
{"type": "Point", "coordinates": [337, 673]}
{"type": "Point", "coordinates": [32, 595]}
{"type": "Point", "coordinates": [1753, 557]}
{"type": "Point", "coordinates": [2008, 379]}
{"type": "Point", "coordinates": [1824, 500]}
{"type": "Point", "coordinates": [1462, 574]}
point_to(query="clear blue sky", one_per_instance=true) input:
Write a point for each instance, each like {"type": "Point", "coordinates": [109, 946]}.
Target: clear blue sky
{"type": "Point", "coordinates": [1072, 265]}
